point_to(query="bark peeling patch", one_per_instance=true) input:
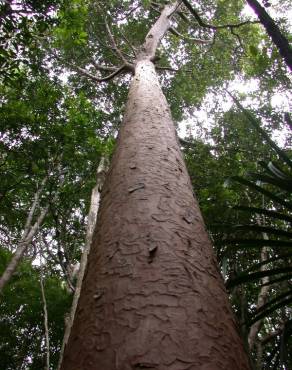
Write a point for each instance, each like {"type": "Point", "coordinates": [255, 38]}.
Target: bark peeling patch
{"type": "Point", "coordinates": [136, 187]}
{"type": "Point", "coordinates": [152, 252]}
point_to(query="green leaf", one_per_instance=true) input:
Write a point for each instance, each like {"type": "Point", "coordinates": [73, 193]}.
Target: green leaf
{"type": "Point", "coordinates": [247, 278]}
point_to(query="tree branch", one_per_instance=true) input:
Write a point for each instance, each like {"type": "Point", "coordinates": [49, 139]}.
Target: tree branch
{"type": "Point", "coordinates": [95, 78]}
{"type": "Point", "coordinates": [211, 26]}
{"type": "Point", "coordinates": [100, 67]}
{"type": "Point", "coordinates": [114, 44]}
{"type": "Point", "coordinates": [129, 44]}
{"type": "Point", "coordinates": [161, 68]}
{"type": "Point", "coordinates": [33, 208]}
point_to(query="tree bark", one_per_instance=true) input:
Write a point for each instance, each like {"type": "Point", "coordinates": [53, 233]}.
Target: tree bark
{"type": "Point", "coordinates": [152, 296]}
{"type": "Point", "coordinates": [273, 31]}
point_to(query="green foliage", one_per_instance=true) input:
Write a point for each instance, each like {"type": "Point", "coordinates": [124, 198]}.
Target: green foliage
{"type": "Point", "coordinates": [21, 27]}
{"type": "Point", "coordinates": [21, 317]}
{"type": "Point", "coordinates": [71, 30]}
{"type": "Point", "coordinates": [270, 228]}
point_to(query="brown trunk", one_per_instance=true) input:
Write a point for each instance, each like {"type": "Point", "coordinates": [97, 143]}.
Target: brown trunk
{"type": "Point", "coordinates": [152, 296]}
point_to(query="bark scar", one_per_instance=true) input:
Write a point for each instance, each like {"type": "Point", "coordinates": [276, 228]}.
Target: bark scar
{"type": "Point", "coordinates": [136, 187]}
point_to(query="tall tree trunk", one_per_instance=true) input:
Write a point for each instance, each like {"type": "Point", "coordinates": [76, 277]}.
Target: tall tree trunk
{"type": "Point", "coordinates": [152, 296]}
{"type": "Point", "coordinates": [273, 31]}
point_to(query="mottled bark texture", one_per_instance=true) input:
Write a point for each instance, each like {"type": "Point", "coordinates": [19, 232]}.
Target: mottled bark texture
{"type": "Point", "coordinates": [152, 296]}
{"type": "Point", "coordinates": [273, 31]}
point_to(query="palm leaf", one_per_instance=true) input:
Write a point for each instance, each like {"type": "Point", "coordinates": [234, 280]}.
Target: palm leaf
{"type": "Point", "coordinates": [269, 260]}
{"type": "Point", "coordinates": [279, 280]}
{"type": "Point", "coordinates": [265, 212]}
{"type": "Point", "coordinates": [263, 191]}
{"type": "Point", "coordinates": [254, 243]}
{"type": "Point", "coordinates": [279, 297]}
{"type": "Point", "coordinates": [269, 311]}
{"type": "Point", "coordinates": [256, 124]}
{"type": "Point", "coordinates": [262, 229]}
{"type": "Point", "coordinates": [275, 170]}
{"type": "Point", "coordinates": [247, 278]}
{"type": "Point", "coordinates": [280, 183]}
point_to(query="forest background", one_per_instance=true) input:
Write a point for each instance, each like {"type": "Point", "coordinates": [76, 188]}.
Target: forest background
{"type": "Point", "coordinates": [62, 101]}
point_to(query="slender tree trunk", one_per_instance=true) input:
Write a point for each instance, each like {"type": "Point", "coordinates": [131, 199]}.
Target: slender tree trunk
{"type": "Point", "coordinates": [273, 31]}
{"type": "Point", "coordinates": [22, 246]}
{"type": "Point", "coordinates": [152, 296]}
{"type": "Point", "coordinates": [91, 221]}
{"type": "Point", "coordinates": [46, 323]}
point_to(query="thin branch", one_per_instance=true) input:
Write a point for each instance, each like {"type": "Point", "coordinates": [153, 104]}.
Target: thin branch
{"type": "Point", "coordinates": [116, 71]}
{"type": "Point", "coordinates": [100, 67]}
{"type": "Point", "coordinates": [175, 9]}
{"type": "Point", "coordinates": [183, 17]}
{"type": "Point", "coordinates": [211, 26]}
{"type": "Point", "coordinates": [21, 248]}
{"type": "Point", "coordinates": [156, 10]}
{"type": "Point", "coordinates": [114, 44]}
{"type": "Point", "coordinates": [95, 78]}
{"type": "Point", "coordinates": [161, 68]}
{"type": "Point", "coordinates": [33, 207]}
{"type": "Point", "coordinates": [129, 43]}
{"type": "Point", "coordinates": [45, 322]}
{"type": "Point", "coordinates": [238, 37]}
{"type": "Point", "coordinates": [198, 41]}
{"type": "Point", "coordinates": [129, 13]}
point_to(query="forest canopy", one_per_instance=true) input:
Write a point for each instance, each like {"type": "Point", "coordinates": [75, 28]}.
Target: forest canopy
{"type": "Point", "coordinates": [66, 66]}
